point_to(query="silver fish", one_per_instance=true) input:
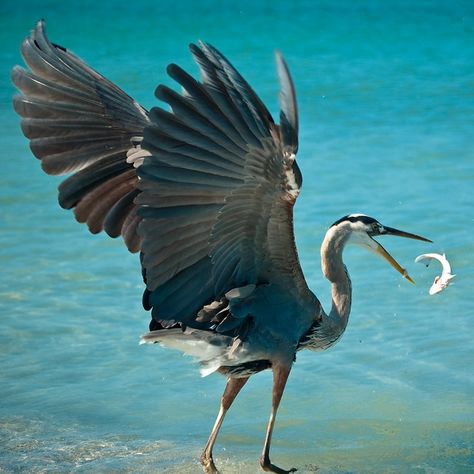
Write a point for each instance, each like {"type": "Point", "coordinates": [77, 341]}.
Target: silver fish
{"type": "Point", "coordinates": [442, 281]}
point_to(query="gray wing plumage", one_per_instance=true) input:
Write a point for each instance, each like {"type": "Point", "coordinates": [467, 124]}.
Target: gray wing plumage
{"type": "Point", "coordinates": [205, 190]}
{"type": "Point", "coordinates": [80, 123]}
{"type": "Point", "coordinates": [217, 193]}
{"type": "Point", "coordinates": [289, 111]}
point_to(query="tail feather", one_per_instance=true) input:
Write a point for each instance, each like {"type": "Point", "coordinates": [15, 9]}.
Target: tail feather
{"type": "Point", "coordinates": [208, 348]}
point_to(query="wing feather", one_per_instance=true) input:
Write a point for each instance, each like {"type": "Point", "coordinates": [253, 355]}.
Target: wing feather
{"type": "Point", "coordinates": [206, 125]}
{"type": "Point", "coordinates": [288, 107]}
{"type": "Point", "coordinates": [216, 83]}
{"type": "Point", "coordinates": [123, 208]}
{"type": "Point", "coordinates": [129, 231]}
{"type": "Point", "coordinates": [214, 190]}
{"type": "Point", "coordinates": [249, 105]}
{"type": "Point", "coordinates": [79, 122]}
{"type": "Point", "coordinates": [201, 98]}
{"type": "Point", "coordinates": [97, 204]}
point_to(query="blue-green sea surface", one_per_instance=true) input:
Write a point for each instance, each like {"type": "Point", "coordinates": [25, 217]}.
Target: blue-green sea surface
{"type": "Point", "coordinates": [386, 99]}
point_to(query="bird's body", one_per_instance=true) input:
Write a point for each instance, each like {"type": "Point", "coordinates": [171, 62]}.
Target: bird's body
{"type": "Point", "coordinates": [205, 192]}
{"type": "Point", "coordinates": [258, 343]}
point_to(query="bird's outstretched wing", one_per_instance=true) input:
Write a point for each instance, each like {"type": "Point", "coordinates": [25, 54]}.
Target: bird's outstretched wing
{"type": "Point", "coordinates": [80, 123]}
{"type": "Point", "coordinates": [217, 195]}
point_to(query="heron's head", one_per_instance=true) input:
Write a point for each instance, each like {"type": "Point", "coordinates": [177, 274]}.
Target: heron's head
{"type": "Point", "coordinates": [360, 229]}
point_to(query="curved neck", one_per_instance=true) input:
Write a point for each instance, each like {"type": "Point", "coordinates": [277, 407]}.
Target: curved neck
{"type": "Point", "coordinates": [335, 271]}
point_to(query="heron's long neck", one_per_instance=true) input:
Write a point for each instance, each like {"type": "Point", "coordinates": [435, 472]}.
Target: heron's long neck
{"type": "Point", "coordinates": [335, 271]}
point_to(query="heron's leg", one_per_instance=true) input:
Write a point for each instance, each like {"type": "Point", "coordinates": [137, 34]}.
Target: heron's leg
{"type": "Point", "coordinates": [232, 389]}
{"type": "Point", "coordinates": [280, 376]}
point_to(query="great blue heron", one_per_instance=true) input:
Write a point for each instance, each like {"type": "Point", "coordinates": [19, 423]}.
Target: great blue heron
{"type": "Point", "coordinates": [205, 192]}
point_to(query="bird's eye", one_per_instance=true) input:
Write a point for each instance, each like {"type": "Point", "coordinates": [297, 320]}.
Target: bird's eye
{"type": "Point", "coordinates": [376, 228]}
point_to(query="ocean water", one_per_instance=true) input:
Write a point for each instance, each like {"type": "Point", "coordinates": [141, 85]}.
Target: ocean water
{"type": "Point", "coordinates": [386, 96]}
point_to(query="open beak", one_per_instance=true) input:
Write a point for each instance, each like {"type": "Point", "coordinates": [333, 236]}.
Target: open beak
{"type": "Point", "coordinates": [383, 253]}
{"type": "Point", "coordinates": [407, 235]}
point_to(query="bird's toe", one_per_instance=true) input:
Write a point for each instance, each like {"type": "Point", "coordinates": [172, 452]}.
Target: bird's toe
{"type": "Point", "coordinates": [269, 467]}
{"type": "Point", "coordinates": [208, 466]}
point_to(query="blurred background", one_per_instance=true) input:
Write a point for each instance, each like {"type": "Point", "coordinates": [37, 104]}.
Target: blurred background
{"type": "Point", "coordinates": [386, 99]}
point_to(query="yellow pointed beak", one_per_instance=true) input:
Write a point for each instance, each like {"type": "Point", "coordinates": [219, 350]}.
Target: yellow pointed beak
{"type": "Point", "coordinates": [383, 253]}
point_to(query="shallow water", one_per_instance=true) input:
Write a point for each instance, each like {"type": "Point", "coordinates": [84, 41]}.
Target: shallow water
{"type": "Point", "coordinates": [386, 95]}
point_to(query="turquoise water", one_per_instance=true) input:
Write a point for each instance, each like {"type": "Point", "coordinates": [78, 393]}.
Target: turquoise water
{"type": "Point", "coordinates": [386, 94]}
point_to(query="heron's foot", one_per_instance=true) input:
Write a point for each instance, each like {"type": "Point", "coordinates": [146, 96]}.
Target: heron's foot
{"type": "Point", "coordinates": [269, 467]}
{"type": "Point", "coordinates": [208, 464]}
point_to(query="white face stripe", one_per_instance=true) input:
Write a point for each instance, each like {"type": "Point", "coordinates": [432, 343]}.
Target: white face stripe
{"type": "Point", "coordinates": [362, 239]}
